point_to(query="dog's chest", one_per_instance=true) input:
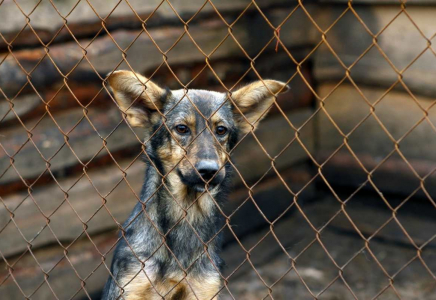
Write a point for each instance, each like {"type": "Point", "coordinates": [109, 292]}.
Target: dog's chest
{"type": "Point", "coordinates": [186, 241]}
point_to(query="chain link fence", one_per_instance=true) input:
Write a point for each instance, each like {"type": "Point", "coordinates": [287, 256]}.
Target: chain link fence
{"type": "Point", "coordinates": [333, 195]}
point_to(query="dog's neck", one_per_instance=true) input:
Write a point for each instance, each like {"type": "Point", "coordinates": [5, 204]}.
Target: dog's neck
{"type": "Point", "coordinates": [184, 202]}
{"type": "Point", "coordinates": [187, 220]}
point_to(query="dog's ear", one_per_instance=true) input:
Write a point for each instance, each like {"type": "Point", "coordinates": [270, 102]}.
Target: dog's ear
{"type": "Point", "coordinates": [137, 96]}
{"type": "Point", "coordinates": [252, 102]}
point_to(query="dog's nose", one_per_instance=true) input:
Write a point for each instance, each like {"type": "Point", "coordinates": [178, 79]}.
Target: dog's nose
{"type": "Point", "coordinates": [207, 168]}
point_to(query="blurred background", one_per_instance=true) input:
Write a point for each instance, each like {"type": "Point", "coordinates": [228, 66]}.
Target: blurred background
{"type": "Point", "coordinates": [335, 193]}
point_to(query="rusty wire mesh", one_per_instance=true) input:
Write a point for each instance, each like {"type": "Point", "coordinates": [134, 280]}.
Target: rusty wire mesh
{"type": "Point", "coordinates": [275, 41]}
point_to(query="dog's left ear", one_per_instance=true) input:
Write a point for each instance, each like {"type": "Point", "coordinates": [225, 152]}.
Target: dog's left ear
{"type": "Point", "coordinates": [252, 102]}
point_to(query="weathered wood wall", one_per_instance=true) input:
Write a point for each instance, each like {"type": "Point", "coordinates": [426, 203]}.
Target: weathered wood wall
{"type": "Point", "coordinates": [86, 115]}
{"type": "Point", "coordinates": [54, 220]}
{"type": "Point", "coordinates": [389, 93]}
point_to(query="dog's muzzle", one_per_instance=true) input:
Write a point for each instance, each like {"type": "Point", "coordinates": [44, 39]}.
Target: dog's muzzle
{"type": "Point", "coordinates": [207, 173]}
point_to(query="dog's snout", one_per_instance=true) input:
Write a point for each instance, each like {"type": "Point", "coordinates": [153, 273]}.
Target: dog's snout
{"type": "Point", "coordinates": [207, 169]}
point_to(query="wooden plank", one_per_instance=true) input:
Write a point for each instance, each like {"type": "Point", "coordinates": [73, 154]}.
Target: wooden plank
{"type": "Point", "coordinates": [83, 21]}
{"type": "Point", "coordinates": [369, 214]}
{"type": "Point", "coordinates": [22, 106]}
{"type": "Point", "coordinates": [350, 40]}
{"type": "Point", "coordinates": [294, 234]}
{"type": "Point", "coordinates": [397, 112]}
{"type": "Point", "coordinates": [86, 142]}
{"type": "Point", "coordinates": [143, 56]}
{"type": "Point", "coordinates": [48, 138]}
{"type": "Point", "coordinates": [401, 117]}
{"type": "Point", "coordinates": [276, 65]}
{"type": "Point", "coordinates": [66, 221]}
{"type": "Point", "coordinates": [394, 177]}
{"type": "Point", "coordinates": [84, 198]}
{"type": "Point", "coordinates": [30, 106]}
{"type": "Point", "coordinates": [85, 257]}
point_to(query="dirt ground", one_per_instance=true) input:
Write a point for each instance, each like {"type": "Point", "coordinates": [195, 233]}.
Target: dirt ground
{"type": "Point", "coordinates": [339, 264]}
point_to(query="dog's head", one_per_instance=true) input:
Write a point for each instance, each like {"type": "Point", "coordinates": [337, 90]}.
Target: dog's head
{"type": "Point", "coordinates": [190, 133]}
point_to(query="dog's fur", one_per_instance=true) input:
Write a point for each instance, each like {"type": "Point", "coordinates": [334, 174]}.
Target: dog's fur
{"type": "Point", "coordinates": [171, 242]}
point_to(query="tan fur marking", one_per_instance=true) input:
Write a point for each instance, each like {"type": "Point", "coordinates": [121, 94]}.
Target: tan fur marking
{"type": "Point", "coordinates": [179, 192]}
{"type": "Point", "coordinates": [220, 149]}
{"type": "Point", "coordinates": [194, 150]}
{"type": "Point", "coordinates": [215, 119]}
{"type": "Point", "coordinates": [204, 204]}
{"type": "Point", "coordinates": [200, 209]}
{"type": "Point", "coordinates": [204, 288]}
{"type": "Point", "coordinates": [136, 288]}
{"type": "Point", "coordinates": [176, 288]}
{"type": "Point", "coordinates": [190, 121]}
{"type": "Point", "coordinates": [223, 157]}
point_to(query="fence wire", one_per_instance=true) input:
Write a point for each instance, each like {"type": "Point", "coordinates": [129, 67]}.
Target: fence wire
{"type": "Point", "coordinates": [28, 183]}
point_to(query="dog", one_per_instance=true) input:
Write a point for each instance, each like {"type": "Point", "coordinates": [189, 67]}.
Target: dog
{"type": "Point", "coordinates": [170, 244]}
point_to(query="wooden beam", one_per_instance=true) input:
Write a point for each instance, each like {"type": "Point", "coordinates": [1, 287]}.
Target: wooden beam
{"type": "Point", "coordinates": [105, 55]}
{"type": "Point", "coordinates": [59, 98]}
{"type": "Point", "coordinates": [31, 161]}
{"type": "Point", "coordinates": [354, 46]}
{"type": "Point", "coordinates": [85, 21]}
{"type": "Point", "coordinates": [87, 195]}
{"type": "Point", "coordinates": [394, 145]}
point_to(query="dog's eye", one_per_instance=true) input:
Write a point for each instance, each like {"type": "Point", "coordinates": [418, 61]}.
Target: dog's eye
{"type": "Point", "coordinates": [182, 129]}
{"type": "Point", "coordinates": [221, 130]}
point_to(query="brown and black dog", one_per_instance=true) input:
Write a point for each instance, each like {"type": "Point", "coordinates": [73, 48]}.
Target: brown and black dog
{"type": "Point", "coordinates": [171, 244]}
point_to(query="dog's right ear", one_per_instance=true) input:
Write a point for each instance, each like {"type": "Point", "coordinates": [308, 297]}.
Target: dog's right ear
{"type": "Point", "coordinates": [136, 96]}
